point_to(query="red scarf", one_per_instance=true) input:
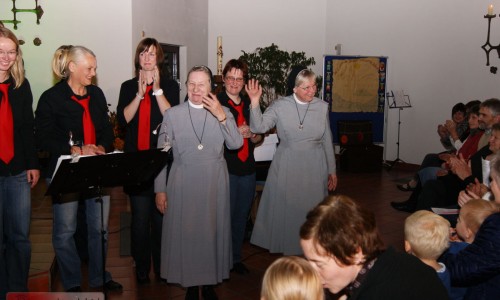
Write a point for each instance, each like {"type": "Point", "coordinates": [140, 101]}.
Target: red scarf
{"type": "Point", "coordinates": [144, 130]}
{"type": "Point", "coordinates": [88, 126]}
{"type": "Point", "coordinates": [240, 120]}
{"type": "Point", "coordinates": [6, 125]}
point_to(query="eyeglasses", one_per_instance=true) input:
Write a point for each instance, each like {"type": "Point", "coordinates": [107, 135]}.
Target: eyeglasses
{"type": "Point", "coordinates": [309, 88]}
{"type": "Point", "coordinates": [10, 54]}
{"type": "Point", "coordinates": [233, 79]}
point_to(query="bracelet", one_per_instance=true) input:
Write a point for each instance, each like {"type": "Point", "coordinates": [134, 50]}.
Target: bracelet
{"type": "Point", "coordinates": [158, 92]}
{"type": "Point", "coordinates": [225, 117]}
{"type": "Point", "coordinates": [140, 98]}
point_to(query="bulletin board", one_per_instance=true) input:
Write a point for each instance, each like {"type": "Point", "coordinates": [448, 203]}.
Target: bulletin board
{"type": "Point", "coordinates": [355, 88]}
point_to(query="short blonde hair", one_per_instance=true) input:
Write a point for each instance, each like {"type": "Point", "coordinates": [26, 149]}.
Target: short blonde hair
{"type": "Point", "coordinates": [475, 211]}
{"type": "Point", "coordinates": [427, 233]}
{"type": "Point", "coordinates": [304, 76]}
{"type": "Point", "coordinates": [291, 278]}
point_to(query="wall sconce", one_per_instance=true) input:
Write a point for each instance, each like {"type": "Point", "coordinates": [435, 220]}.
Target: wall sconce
{"type": "Point", "coordinates": [38, 11]}
{"type": "Point", "coordinates": [487, 47]}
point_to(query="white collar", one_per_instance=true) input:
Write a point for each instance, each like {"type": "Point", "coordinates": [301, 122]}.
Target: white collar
{"type": "Point", "coordinates": [298, 101]}
{"type": "Point", "coordinates": [198, 106]}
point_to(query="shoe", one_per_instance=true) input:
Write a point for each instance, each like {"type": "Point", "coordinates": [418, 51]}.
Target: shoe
{"type": "Point", "coordinates": [405, 187]}
{"type": "Point", "coordinates": [208, 293]}
{"type": "Point", "coordinates": [192, 293]}
{"type": "Point", "coordinates": [240, 268]}
{"type": "Point", "coordinates": [113, 286]}
{"type": "Point", "coordinates": [142, 277]}
{"type": "Point", "coordinates": [75, 289]}
{"type": "Point", "coordinates": [403, 206]}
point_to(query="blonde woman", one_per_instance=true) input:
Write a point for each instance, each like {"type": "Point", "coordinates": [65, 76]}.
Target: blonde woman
{"type": "Point", "coordinates": [18, 165]}
{"type": "Point", "coordinates": [75, 110]}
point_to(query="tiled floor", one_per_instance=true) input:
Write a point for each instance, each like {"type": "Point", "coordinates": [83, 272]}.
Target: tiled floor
{"type": "Point", "coordinates": [374, 190]}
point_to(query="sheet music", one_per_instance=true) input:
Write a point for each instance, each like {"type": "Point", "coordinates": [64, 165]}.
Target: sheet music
{"type": "Point", "coordinates": [399, 98]}
{"type": "Point", "coordinates": [445, 211]}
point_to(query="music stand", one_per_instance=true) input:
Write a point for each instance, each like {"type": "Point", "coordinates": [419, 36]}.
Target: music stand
{"type": "Point", "coordinates": [86, 174]}
{"type": "Point", "coordinates": [399, 101]}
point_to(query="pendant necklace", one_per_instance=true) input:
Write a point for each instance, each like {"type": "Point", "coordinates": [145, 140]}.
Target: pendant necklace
{"type": "Point", "coordinates": [301, 122]}
{"type": "Point", "coordinates": [200, 145]}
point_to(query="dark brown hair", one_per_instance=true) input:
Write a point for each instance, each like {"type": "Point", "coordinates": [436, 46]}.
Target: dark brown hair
{"type": "Point", "coordinates": [144, 45]}
{"type": "Point", "coordinates": [343, 228]}
{"type": "Point", "coordinates": [236, 64]}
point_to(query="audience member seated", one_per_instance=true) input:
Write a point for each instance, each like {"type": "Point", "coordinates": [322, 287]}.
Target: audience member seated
{"type": "Point", "coordinates": [341, 241]}
{"type": "Point", "coordinates": [465, 149]}
{"type": "Point", "coordinates": [458, 121]}
{"type": "Point", "coordinates": [444, 191]}
{"type": "Point", "coordinates": [291, 277]}
{"type": "Point", "coordinates": [427, 236]}
{"type": "Point", "coordinates": [477, 266]}
{"type": "Point", "coordinates": [452, 133]}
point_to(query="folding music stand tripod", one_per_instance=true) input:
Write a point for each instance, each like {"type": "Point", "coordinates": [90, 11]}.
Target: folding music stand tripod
{"type": "Point", "coordinates": [93, 173]}
{"type": "Point", "coordinates": [399, 101]}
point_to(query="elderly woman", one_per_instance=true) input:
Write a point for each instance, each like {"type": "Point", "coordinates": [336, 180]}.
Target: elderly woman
{"type": "Point", "coordinates": [240, 162]}
{"type": "Point", "coordinates": [18, 166]}
{"type": "Point", "coordinates": [341, 241]}
{"type": "Point", "coordinates": [71, 118]}
{"type": "Point", "coordinates": [142, 103]}
{"type": "Point", "coordinates": [196, 237]}
{"type": "Point", "coordinates": [303, 168]}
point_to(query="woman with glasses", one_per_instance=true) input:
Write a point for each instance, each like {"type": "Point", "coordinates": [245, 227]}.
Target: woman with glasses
{"type": "Point", "coordinates": [196, 236]}
{"type": "Point", "coordinates": [142, 103]}
{"type": "Point", "coordinates": [18, 166]}
{"type": "Point", "coordinates": [240, 162]}
{"type": "Point", "coordinates": [303, 168]}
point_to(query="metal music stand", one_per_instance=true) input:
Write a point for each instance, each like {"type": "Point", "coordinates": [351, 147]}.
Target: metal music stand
{"type": "Point", "coordinates": [399, 101]}
{"type": "Point", "coordinates": [90, 174]}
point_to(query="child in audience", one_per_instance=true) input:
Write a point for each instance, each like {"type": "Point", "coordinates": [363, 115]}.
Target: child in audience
{"type": "Point", "coordinates": [471, 216]}
{"type": "Point", "coordinates": [427, 236]}
{"type": "Point", "coordinates": [291, 278]}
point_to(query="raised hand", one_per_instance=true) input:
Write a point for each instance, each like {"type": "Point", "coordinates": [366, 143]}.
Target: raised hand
{"type": "Point", "coordinates": [142, 84]}
{"type": "Point", "coordinates": [156, 79]}
{"type": "Point", "coordinates": [212, 104]}
{"type": "Point", "coordinates": [254, 91]}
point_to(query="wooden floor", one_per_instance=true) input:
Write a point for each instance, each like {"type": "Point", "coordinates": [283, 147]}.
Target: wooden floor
{"type": "Point", "coordinates": [373, 190]}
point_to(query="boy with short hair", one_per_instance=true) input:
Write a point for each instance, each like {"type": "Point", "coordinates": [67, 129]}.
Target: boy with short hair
{"type": "Point", "coordinates": [427, 236]}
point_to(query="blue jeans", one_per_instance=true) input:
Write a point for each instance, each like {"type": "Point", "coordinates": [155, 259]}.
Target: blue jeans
{"type": "Point", "coordinates": [242, 192]}
{"type": "Point", "coordinates": [64, 227]}
{"type": "Point", "coordinates": [427, 174]}
{"type": "Point", "coordinates": [15, 246]}
{"type": "Point", "coordinates": [145, 233]}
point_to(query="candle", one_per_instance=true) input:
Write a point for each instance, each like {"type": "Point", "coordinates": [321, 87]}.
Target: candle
{"type": "Point", "coordinates": [490, 10]}
{"type": "Point", "coordinates": [219, 55]}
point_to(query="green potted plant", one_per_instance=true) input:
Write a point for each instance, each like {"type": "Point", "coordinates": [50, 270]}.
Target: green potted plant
{"type": "Point", "coordinates": [270, 66]}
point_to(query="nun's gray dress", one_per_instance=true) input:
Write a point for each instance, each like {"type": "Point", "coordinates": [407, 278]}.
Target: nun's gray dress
{"type": "Point", "coordinates": [196, 237]}
{"type": "Point", "coordinates": [298, 176]}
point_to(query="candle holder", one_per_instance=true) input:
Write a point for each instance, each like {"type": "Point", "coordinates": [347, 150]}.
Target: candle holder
{"type": "Point", "coordinates": [487, 47]}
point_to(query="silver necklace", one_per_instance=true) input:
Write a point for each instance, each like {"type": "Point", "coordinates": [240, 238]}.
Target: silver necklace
{"type": "Point", "coordinates": [200, 145]}
{"type": "Point", "coordinates": [301, 122]}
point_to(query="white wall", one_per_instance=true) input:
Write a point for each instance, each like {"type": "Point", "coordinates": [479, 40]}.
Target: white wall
{"type": "Point", "coordinates": [102, 26]}
{"type": "Point", "coordinates": [293, 25]}
{"type": "Point", "coordinates": [433, 48]}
